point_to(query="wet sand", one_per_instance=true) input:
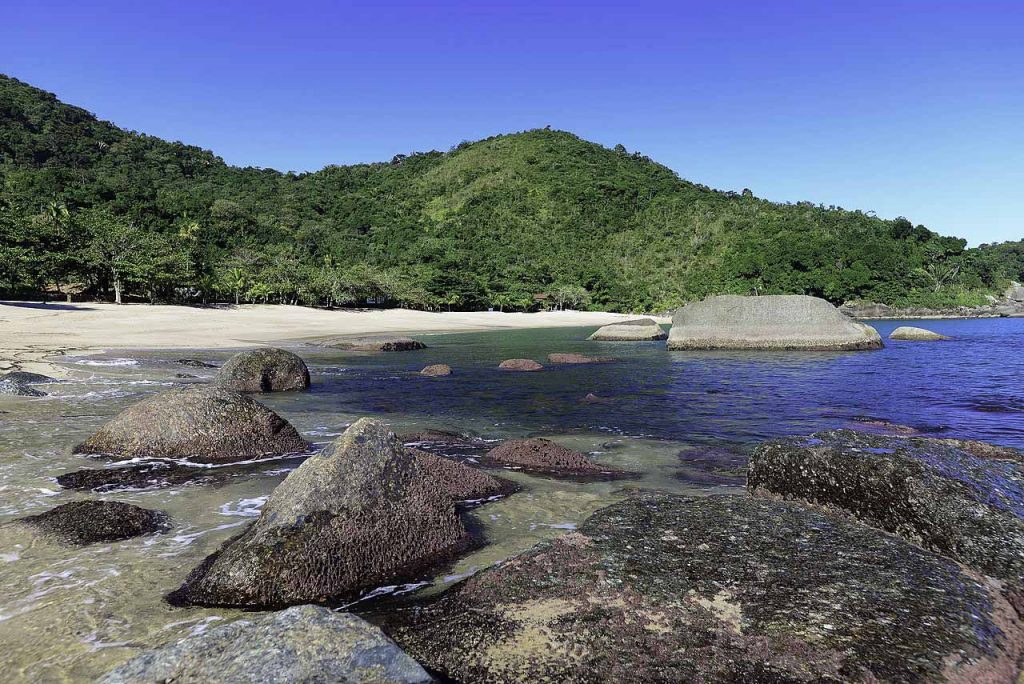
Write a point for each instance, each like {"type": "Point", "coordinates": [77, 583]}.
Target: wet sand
{"type": "Point", "coordinates": [30, 331]}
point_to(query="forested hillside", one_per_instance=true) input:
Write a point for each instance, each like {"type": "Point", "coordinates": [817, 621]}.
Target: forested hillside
{"type": "Point", "coordinates": [97, 211]}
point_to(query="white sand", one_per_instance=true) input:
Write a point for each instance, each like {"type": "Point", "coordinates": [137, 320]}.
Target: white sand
{"type": "Point", "coordinates": [30, 332]}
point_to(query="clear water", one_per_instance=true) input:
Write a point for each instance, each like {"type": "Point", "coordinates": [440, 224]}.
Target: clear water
{"type": "Point", "coordinates": [684, 420]}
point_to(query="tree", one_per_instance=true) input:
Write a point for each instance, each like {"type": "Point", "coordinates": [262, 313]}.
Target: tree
{"type": "Point", "coordinates": [115, 246]}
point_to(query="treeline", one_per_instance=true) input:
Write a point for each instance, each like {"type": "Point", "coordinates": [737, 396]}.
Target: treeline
{"type": "Point", "coordinates": [540, 218]}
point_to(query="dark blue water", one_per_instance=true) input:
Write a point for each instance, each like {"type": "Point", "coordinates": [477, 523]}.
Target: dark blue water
{"type": "Point", "coordinates": [968, 387]}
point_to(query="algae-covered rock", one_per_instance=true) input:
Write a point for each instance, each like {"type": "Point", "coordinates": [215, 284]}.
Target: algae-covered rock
{"type": "Point", "coordinates": [146, 475]}
{"type": "Point", "coordinates": [300, 645]}
{"type": "Point", "coordinates": [952, 497]}
{"type": "Point", "coordinates": [544, 457]}
{"type": "Point", "coordinates": [379, 343]}
{"type": "Point", "coordinates": [573, 359]}
{"type": "Point", "coordinates": [204, 424]}
{"type": "Point", "coordinates": [912, 334]}
{"type": "Point", "coordinates": [723, 589]}
{"type": "Point", "coordinates": [357, 516]}
{"type": "Point", "coordinates": [264, 370]}
{"type": "Point", "coordinates": [521, 365]}
{"type": "Point", "coordinates": [26, 378]}
{"type": "Point", "coordinates": [19, 389]}
{"type": "Point", "coordinates": [459, 481]}
{"type": "Point", "coordinates": [90, 522]}
{"type": "Point", "coordinates": [781, 322]}
{"type": "Point", "coordinates": [638, 330]}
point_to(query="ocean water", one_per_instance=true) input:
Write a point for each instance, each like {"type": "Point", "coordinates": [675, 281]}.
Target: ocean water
{"type": "Point", "coordinates": [684, 421]}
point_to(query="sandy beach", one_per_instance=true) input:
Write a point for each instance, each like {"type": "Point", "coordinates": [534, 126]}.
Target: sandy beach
{"type": "Point", "coordinates": [30, 331]}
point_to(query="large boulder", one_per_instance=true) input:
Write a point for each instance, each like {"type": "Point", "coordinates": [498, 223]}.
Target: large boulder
{"type": "Point", "coordinates": [638, 330]}
{"type": "Point", "coordinates": [437, 370]}
{"type": "Point", "coordinates": [788, 322]}
{"type": "Point", "coordinates": [544, 457]}
{"type": "Point", "coordinates": [300, 645]}
{"type": "Point", "coordinates": [90, 522]}
{"type": "Point", "coordinates": [910, 333]}
{"type": "Point", "coordinates": [952, 497]}
{"type": "Point", "coordinates": [380, 343]}
{"type": "Point", "coordinates": [669, 589]}
{"type": "Point", "coordinates": [264, 370]}
{"type": "Point", "coordinates": [203, 424]}
{"type": "Point", "coordinates": [357, 516]}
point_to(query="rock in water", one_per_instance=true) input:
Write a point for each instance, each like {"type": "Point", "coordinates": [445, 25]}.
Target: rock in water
{"type": "Point", "coordinates": [195, 363]}
{"type": "Point", "coordinates": [26, 378]}
{"type": "Point", "coordinates": [787, 322]}
{"type": "Point", "coordinates": [669, 589]}
{"type": "Point", "coordinates": [639, 330]}
{"type": "Point", "coordinates": [264, 370]}
{"type": "Point", "coordinates": [437, 370]}
{"type": "Point", "coordinates": [383, 343]}
{"type": "Point", "coordinates": [90, 522]}
{"type": "Point", "coordinates": [300, 645]}
{"type": "Point", "coordinates": [520, 365]}
{"type": "Point", "coordinates": [459, 481]}
{"type": "Point", "coordinates": [19, 389]}
{"type": "Point", "coordinates": [940, 494]}
{"type": "Point", "coordinates": [355, 517]}
{"type": "Point", "coordinates": [544, 457]}
{"type": "Point", "coordinates": [203, 424]}
{"type": "Point", "coordinates": [579, 358]}
{"type": "Point", "coordinates": [910, 333]}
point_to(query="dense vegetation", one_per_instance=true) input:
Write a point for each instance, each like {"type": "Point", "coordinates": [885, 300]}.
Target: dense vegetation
{"type": "Point", "coordinates": [90, 209]}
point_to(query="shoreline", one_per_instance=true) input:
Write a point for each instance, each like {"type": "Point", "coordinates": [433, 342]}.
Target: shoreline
{"type": "Point", "coordinates": [31, 332]}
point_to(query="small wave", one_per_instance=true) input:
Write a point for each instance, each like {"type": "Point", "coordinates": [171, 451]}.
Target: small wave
{"type": "Point", "coordinates": [104, 362]}
{"type": "Point", "coordinates": [245, 508]}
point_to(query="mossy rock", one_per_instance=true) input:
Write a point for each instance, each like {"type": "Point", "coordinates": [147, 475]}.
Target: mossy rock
{"type": "Point", "coordinates": [715, 590]}
{"type": "Point", "coordinates": [264, 370]}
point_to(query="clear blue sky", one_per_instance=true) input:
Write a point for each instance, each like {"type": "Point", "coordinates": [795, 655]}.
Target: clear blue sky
{"type": "Point", "coordinates": [904, 108]}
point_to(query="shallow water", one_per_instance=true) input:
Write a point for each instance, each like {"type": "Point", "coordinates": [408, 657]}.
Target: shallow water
{"type": "Point", "coordinates": [684, 420]}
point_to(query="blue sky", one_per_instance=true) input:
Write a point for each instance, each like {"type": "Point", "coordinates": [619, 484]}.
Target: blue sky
{"type": "Point", "coordinates": [903, 108]}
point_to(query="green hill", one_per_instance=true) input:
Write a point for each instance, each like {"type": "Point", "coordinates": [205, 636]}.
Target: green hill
{"type": "Point", "coordinates": [91, 208]}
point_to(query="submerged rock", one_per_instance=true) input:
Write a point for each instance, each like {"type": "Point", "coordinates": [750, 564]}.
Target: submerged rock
{"type": "Point", "coordinates": [264, 370]}
{"type": "Point", "coordinates": [355, 517]}
{"type": "Point", "coordinates": [545, 457]}
{"type": "Point", "coordinates": [195, 363]}
{"type": "Point", "coordinates": [204, 424]}
{"type": "Point", "coordinates": [381, 343]}
{"type": "Point", "coordinates": [90, 522]}
{"type": "Point", "coordinates": [784, 322]}
{"type": "Point", "coordinates": [147, 475]}
{"type": "Point", "coordinates": [579, 358]}
{"type": "Point", "coordinates": [450, 444]}
{"type": "Point", "coordinates": [437, 370]}
{"type": "Point", "coordinates": [951, 497]}
{"type": "Point", "coordinates": [639, 330]}
{"type": "Point", "coordinates": [520, 365]}
{"type": "Point", "coordinates": [910, 333]}
{"type": "Point", "coordinates": [300, 645]}
{"type": "Point", "coordinates": [19, 389]}
{"type": "Point", "coordinates": [720, 589]}
{"type": "Point", "coordinates": [459, 481]}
